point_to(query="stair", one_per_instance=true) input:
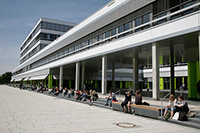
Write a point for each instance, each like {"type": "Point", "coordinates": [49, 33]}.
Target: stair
{"type": "Point", "coordinates": [101, 103]}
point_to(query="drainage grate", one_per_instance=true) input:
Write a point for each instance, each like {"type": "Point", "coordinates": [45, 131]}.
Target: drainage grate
{"type": "Point", "coordinates": [126, 125]}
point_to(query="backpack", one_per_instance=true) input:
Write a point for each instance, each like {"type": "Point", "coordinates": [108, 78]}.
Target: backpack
{"type": "Point", "coordinates": [182, 116]}
{"type": "Point", "coordinates": [167, 116]}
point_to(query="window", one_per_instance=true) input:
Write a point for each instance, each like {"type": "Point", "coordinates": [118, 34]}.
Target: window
{"type": "Point", "coordinates": [127, 26]}
{"type": "Point", "coordinates": [100, 37]}
{"type": "Point", "coordinates": [90, 41]}
{"type": "Point", "coordinates": [120, 29]}
{"type": "Point", "coordinates": [146, 18]}
{"type": "Point", "coordinates": [107, 34]}
{"type": "Point", "coordinates": [138, 21]}
{"type": "Point", "coordinates": [95, 39]}
{"type": "Point", "coordinates": [113, 32]}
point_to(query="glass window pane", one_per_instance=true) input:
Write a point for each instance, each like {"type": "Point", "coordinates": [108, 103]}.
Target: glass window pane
{"type": "Point", "coordinates": [138, 21]}
{"type": "Point", "coordinates": [120, 29]}
{"type": "Point", "coordinates": [146, 18]}
{"type": "Point", "coordinates": [107, 34]}
{"type": "Point", "coordinates": [127, 26]}
{"type": "Point", "coordinates": [113, 32]}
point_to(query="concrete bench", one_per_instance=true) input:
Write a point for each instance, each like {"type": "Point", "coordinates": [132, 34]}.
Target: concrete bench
{"type": "Point", "coordinates": [117, 106]}
{"type": "Point", "coordinates": [149, 111]}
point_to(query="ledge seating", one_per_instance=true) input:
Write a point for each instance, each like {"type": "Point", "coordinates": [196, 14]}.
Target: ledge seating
{"type": "Point", "coordinates": [149, 111]}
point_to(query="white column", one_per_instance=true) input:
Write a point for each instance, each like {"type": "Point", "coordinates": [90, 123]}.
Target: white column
{"type": "Point", "coordinates": [135, 73]}
{"type": "Point", "coordinates": [113, 76]}
{"type": "Point", "coordinates": [155, 73]}
{"type": "Point", "coordinates": [104, 74]}
{"type": "Point", "coordinates": [77, 76]}
{"type": "Point", "coordinates": [83, 75]}
{"type": "Point", "coordinates": [61, 77]}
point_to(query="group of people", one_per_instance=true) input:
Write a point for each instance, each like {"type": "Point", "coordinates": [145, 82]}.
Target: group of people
{"type": "Point", "coordinates": [127, 101]}
{"type": "Point", "coordinates": [174, 105]}
{"type": "Point", "coordinates": [83, 95]}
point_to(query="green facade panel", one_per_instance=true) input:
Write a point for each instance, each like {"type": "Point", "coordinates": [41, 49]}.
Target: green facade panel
{"type": "Point", "coordinates": [161, 83]}
{"type": "Point", "coordinates": [50, 82]}
{"type": "Point", "coordinates": [193, 77]}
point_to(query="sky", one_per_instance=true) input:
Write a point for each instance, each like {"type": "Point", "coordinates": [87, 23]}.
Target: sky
{"type": "Point", "coordinates": [18, 17]}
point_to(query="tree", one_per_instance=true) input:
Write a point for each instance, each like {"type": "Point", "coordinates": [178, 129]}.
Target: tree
{"type": "Point", "coordinates": [5, 78]}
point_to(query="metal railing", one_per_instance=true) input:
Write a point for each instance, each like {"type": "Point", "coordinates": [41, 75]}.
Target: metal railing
{"type": "Point", "coordinates": [162, 102]}
{"type": "Point", "coordinates": [116, 36]}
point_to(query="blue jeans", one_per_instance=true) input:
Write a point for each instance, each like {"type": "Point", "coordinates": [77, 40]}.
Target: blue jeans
{"type": "Point", "coordinates": [110, 100]}
{"type": "Point", "coordinates": [171, 108]}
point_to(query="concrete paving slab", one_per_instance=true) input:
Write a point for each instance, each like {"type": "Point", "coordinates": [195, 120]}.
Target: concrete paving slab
{"type": "Point", "coordinates": [26, 111]}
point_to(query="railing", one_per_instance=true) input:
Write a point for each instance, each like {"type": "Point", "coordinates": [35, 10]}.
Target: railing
{"type": "Point", "coordinates": [162, 102]}
{"type": "Point", "coordinates": [119, 91]}
{"type": "Point", "coordinates": [124, 33]}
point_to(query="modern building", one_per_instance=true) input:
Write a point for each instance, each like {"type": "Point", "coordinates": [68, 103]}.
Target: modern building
{"type": "Point", "coordinates": [151, 44]}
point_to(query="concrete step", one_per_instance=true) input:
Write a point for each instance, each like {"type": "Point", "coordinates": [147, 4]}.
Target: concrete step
{"type": "Point", "coordinates": [194, 119]}
{"type": "Point", "coordinates": [101, 105]}
{"type": "Point", "coordinates": [186, 123]}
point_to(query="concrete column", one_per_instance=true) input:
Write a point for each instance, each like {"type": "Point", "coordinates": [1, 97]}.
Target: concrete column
{"type": "Point", "coordinates": [172, 69]}
{"type": "Point", "coordinates": [77, 76]}
{"type": "Point", "coordinates": [104, 75]}
{"type": "Point", "coordinates": [83, 75]}
{"type": "Point", "coordinates": [61, 77]}
{"type": "Point", "coordinates": [135, 72]}
{"type": "Point", "coordinates": [155, 73]}
{"type": "Point", "coordinates": [113, 76]}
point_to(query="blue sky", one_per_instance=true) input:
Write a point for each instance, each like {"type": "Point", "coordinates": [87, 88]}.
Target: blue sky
{"type": "Point", "coordinates": [18, 17]}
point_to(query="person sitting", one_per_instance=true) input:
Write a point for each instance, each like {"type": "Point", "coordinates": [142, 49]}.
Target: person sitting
{"type": "Point", "coordinates": [138, 99]}
{"type": "Point", "coordinates": [94, 96]}
{"type": "Point", "coordinates": [56, 91]}
{"type": "Point", "coordinates": [65, 91]}
{"type": "Point", "coordinates": [69, 93]}
{"type": "Point", "coordinates": [127, 101]}
{"type": "Point", "coordinates": [110, 98]}
{"type": "Point", "coordinates": [182, 108]}
{"type": "Point", "coordinates": [181, 105]}
{"type": "Point", "coordinates": [171, 106]}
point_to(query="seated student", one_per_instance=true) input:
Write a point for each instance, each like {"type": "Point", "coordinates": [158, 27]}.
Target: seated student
{"type": "Point", "coordinates": [69, 93]}
{"type": "Point", "coordinates": [52, 90]}
{"type": "Point", "coordinates": [182, 108]}
{"type": "Point", "coordinates": [171, 106]}
{"type": "Point", "coordinates": [127, 101]}
{"type": "Point", "coordinates": [65, 91]}
{"type": "Point", "coordinates": [138, 99]}
{"type": "Point", "coordinates": [94, 96]}
{"type": "Point", "coordinates": [84, 94]}
{"type": "Point", "coordinates": [110, 98]}
{"type": "Point", "coordinates": [56, 91]}
{"type": "Point", "coordinates": [182, 105]}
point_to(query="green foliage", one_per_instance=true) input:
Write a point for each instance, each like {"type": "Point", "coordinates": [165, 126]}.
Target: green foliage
{"type": "Point", "coordinates": [5, 78]}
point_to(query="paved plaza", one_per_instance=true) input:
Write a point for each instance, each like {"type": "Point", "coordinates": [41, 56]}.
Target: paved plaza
{"type": "Point", "coordinates": [23, 111]}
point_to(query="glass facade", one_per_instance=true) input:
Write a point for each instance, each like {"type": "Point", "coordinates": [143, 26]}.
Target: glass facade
{"type": "Point", "coordinates": [42, 36]}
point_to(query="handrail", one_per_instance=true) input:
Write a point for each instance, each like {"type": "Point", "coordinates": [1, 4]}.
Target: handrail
{"type": "Point", "coordinates": [122, 33]}
{"type": "Point", "coordinates": [162, 103]}
{"type": "Point", "coordinates": [166, 96]}
{"type": "Point", "coordinates": [119, 94]}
